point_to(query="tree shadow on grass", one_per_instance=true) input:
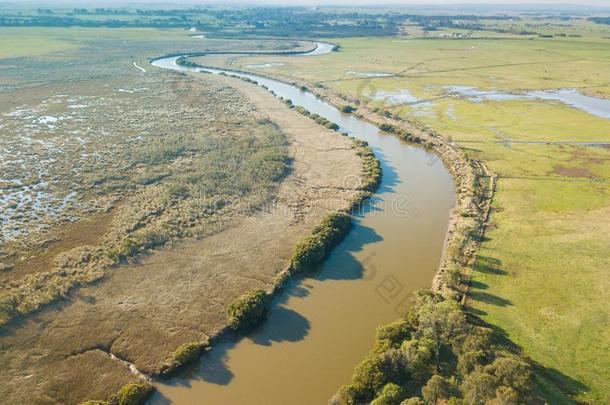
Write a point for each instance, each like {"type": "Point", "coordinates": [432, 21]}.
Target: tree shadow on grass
{"type": "Point", "coordinates": [552, 384]}
{"type": "Point", "coordinates": [489, 265]}
{"type": "Point", "coordinates": [557, 383]}
{"type": "Point", "coordinates": [489, 298]}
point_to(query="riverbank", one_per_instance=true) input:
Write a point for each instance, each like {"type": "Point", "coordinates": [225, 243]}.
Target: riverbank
{"type": "Point", "coordinates": [475, 183]}
{"type": "Point", "coordinates": [142, 311]}
{"type": "Point", "coordinates": [409, 214]}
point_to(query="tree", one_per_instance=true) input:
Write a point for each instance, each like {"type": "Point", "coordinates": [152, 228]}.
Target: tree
{"type": "Point", "coordinates": [248, 310]}
{"type": "Point", "coordinates": [505, 396]}
{"type": "Point", "coordinates": [479, 387]}
{"type": "Point", "coordinates": [418, 354]}
{"type": "Point", "coordinates": [413, 401]}
{"type": "Point", "coordinates": [511, 372]}
{"type": "Point", "coordinates": [437, 388]}
{"type": "Point", "coordinates": [440, 322]}
{"type": "Point", "coordinates": [391, 394]}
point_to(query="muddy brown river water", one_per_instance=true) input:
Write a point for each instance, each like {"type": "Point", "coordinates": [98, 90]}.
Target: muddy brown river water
{"type": "Point", "coordinates": [321, 326]}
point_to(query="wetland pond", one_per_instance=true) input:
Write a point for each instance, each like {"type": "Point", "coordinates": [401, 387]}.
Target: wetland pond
{"type": "Point", "coordinates": [321, 326]}
{"type": "Point", "coordinates": [593, 105]}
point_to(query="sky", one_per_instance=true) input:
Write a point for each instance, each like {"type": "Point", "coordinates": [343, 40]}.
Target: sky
{"type": "Point", "coordinates": [452, 2]}
{"type": "Point", "coordinates": [528, 3]}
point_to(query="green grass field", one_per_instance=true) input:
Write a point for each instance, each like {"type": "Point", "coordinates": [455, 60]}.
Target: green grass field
{"type": "Point", "coordinates": [543, 272]}
{"type": "Point", "coordinates": [31, 42]}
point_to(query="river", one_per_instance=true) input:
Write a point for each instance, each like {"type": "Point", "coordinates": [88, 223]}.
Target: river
{"type": "Point", "coordinates": [322, 325]}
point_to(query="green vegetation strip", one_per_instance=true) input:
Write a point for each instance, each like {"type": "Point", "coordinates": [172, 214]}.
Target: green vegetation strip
{"type": "Point", "coordinates": [435, 355]}
{"type": "Point", "coordinates": [183, 355]}
{"type": "Point", "coordinates": [129, 394]}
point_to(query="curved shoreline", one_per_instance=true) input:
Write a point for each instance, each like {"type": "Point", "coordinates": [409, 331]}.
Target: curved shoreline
{"type": "Point", "coordinates": [310, 52]}
{"type": "Point", "coordinates": [466, 174]}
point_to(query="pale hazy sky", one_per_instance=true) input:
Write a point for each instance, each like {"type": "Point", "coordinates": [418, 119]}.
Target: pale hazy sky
{"type": "Point", "coordinates": [333, 2]}
{"type": "Point", "coordinates": [453, 3]}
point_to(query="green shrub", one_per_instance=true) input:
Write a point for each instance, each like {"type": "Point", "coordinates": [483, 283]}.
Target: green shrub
{"type": "Point", "coordinates": [7, 310]}
{"type": "Point", "coordinates": [391, 394]}
{"type": "Point", "coordinates": [184, 354]}
{"type": "Point", "coordinates": [393, 334]}
{"type": "Point", "coordinates": [370, 166]}
{"type": "Point", "coordinates": [185, 62]}
{"type": "Point", "coordinates": [369, 378]}
{"type": "Point", "coordinates": [387, 127]}
{"type": "Point", "coordinates": [437, 388]}
{"type": "Point", "coordinates": [248, 310]}
{"type": "Point", "coordinates": [333, 228]}
{"type": "Point", "coordinates": [310, 252]}
{"type": "Point", "coordinates": [348, 109]}
{"type": "Point", "coordinates": [134, 394]}
{"type": "Point", "coordinates": [331, 125]}
{"type": "Point", "coordinates": [302, 110]}
{"type": "Point", "coordinates": [138, 243]}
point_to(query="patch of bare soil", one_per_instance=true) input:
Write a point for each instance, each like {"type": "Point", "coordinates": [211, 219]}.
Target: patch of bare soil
{"type": "Point", "coordinates": [176, 294]}
{"type": "Point", "coordinates": [573, 172]}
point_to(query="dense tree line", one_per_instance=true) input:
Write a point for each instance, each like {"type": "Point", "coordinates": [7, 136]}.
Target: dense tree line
{"type": "Point", "coordinates": [600, 20]}
{"type": "Point", "coordinates": [436, 355]}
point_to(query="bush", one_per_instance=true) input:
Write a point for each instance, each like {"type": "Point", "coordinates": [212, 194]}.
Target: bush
{"type": "Point", "coordinates": [308, 254]}
{"type": "Point", "coordinates": [7, 310]}
{"type": "Point", "coordinates": [312, 250]}
{"type": "Point", "coordinates": [331, 125]}
{"type": "Point", "coordinates": [369, 378]}
{"type": "Point", "coordinates": [348, 109]}
{"type": "Point", "coordinates": [479, 387]}
{"type": "Point", "coordinates": [138, 243]}
{"type": "Point", "coordinates": [387, 127]}
{"type": "Point", "coordinates": [185, 62]}
{"type": "Point", "coordinates": [184, 354]}
{"type": "Point", "coordinates": [437, 388]}
{"type": "Point", "coordinates": [248, 310]}
{"type": "Point", "coordinates": [393, 334]}
{"type": "Point", "coordinates": [302, 110]}
{"type": "Point", "coordinates": [391, 394]}
{"type": "Point", "coordinates": [370, 166]}
{"type": "Point", "coordinates": [133, 394]}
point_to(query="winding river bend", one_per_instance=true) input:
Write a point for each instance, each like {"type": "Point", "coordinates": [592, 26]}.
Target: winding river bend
{"type": "Point", "coordinates": [321, 326]}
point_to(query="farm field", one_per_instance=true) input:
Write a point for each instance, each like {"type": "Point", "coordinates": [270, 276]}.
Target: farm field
{"type": "Point", "coordinates": [542, 273]}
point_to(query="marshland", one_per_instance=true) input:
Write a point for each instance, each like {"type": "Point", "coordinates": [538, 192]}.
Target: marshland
{"type": "Point", "coordinates": [218, 204]}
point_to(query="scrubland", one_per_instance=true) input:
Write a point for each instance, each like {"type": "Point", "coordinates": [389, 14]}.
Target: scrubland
{"type": "Point", "coordinates": [163, 187]}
